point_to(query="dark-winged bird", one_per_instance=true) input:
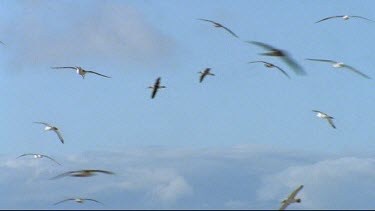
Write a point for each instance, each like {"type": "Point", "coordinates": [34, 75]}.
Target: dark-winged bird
{"type": "Point", "coordinates": [216, 24]}
{"type": "Point", "coordinates": [204, 73]}
{"type": "Point", "coordinates": [52, 128]}
{"type": "Point", "coordinates": [344, 17]}
{"type": "Point", "coordinates": [37, 156]}
{"type": "Point", "coordinates": [82, 173]}
{"type": "Point", "coordinates": [270, 65]}
{"type": "Point", "coordinates": [156, 87]}
{"type": "Point", "coordinates": [78, 200]}
{"type": "Point", "coordinates": [325, 116]}
{"type": "Point", "coordinates": [282, 54]}
{"type": "Point", "coordinates": [81, 71]}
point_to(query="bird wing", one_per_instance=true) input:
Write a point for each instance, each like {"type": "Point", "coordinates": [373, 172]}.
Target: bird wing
{"type": "Point", "coordinates": [93, 200]}
{"type": "Point", "coordinates": [210, 21]}
{"type": "Point", "coordinates": [294, 193]}
{"type": "Point", "coordinates": [74, 68]}
{"type": "Point", "coordinates": [202, 77]}
{"type": "Point", "coordinates": [97, 73]}
{"type": "Point", "coordinates": [2, 43]}
{"type": "Point", "coordinates": [317, 111]}
{"type": "Point", "coordinates": [220, 25]}
{"type": "Point", "coordinates": [43, 123]}
{"type": "Point", "coordinates": [25, 155]}
{"type": "Point", "coordinates": [355, 16]}
{"type": "Point", "coordinates": [285, 205]}
{"type": "Point", "coordinates": [63, 201]}
{"type": "Point", "coordinates": [322, 60]}
{"type": "Point", "coordinates": [59, 135]}
{"type": "Point", "coordinates": [259, 62]}
{"type": "Point", "coordinates": [294, 65]}
{"type": "Point", "coordinates": [51, 159]}
{"type": "Point", "coordinates": [286, 74]}
{"type": "Point", "coordinates": [336, 16]}
{"type": "Point", "coordinates": [263, 45]}
{"type": "Point", "coordinates": [63, 175]}
{"type": "Point", "coordinates": [102, 171]}
{"type": "Point", "coordinates": [230, 31]}
{"type": "Point", "coordinates": [154, 92]}
{"type": "Point", "coordinates": [331, 122]}
{"type": "Point", "coordinates": [356, 71]}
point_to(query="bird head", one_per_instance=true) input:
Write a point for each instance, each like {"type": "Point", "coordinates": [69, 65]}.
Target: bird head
{"type": "Point", "coordinates": [298, 200]}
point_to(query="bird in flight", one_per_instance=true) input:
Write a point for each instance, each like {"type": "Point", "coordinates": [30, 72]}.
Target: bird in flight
{"type": "Point", "coordinates": [270, 65]}
{"type": "Point", "coordinates": [53, 128]}
{"type": "Point", "coordinates": [82, 173]}
{"type": "Point", "coordinates": [78, 200]}
{"type": "Point", "coordinates": [156, 87]}
{"type": "Point", "coordinates": [216, 24]}
{"type": "Point", "coordinates": [37, 156]}
{"type": "Point", "coordinates": [81, 71]}
{"type": "Point", "coordinates": [280, 53]}
{"type": "Point", "coordinates": [340, 65]}
{"type": "Point", "coordinates": [204, 73]}
{"type": "Point", "coordinates": [344, 17]}
{"type": "Point", "coordinates": [291, 199]}
{"type": "Point", "coordinates": [325, 116]}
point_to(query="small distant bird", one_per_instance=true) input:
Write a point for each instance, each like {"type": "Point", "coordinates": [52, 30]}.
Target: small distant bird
{"type": "Point", "coordinates": [325, 116]}
{"type": "Point", "coordinates": [81, 71]}
{"type": "Point", "coordinates": [204, 73]}
{"type": "Point", "coordinates": [82, 173]}
{"type": "Point", "coordinates": [340, 65]}
{"type": "Point", "coordinates": [37, 156]}
{"type": "Point", "coordinates": [270, 65]}
{"type": "Point", "coordinates": [282, 54]}
{"type": "Point", "coordinates": [53, 128]}
{"type": "Point", "coordinates": [344, 17]}
{"type": "Point", "coordinates": [216, 24]}
{"type": "Point", "coordinates": [291, 199]}
{"type": "Point", "coordinates": [78, 200]}
{"type": "Point", "coordinates": [156, 87]}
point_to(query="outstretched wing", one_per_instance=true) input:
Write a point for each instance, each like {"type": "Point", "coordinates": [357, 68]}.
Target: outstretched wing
{"type": "Point", "coordinates": [63, 201]}
{"type": "Point", "coordinates": [43, 123]}
{"type": "Point", "coordinates": [356, 16]}
{"type": "Point", "coordinates": [294, 193]}
{"type": "Point", "coordinates": [25, 155]}
{"type": "Point", "coordinates": [336, 16]}
{"type": "Point", "coordinates": [93, 200]}
{"type": "Point", "coordinates": [220, 25]}
{"type": "Point", "coordinates": [357, 71]}
{"type": "Point", "coordinates": [102, 171]}
{"type": "Point", "coordinates": [286, 74]}
{"type": "Point", "coordinates": [322, 60]}
{"type": "Point", "coordinates": [74, 68]}
{"type": "Point", "coordinates": [263, 45]}
{"type": "Point", "coordinates": [230, 31]}
{"type": "Point", "coordinates": [98, 74]}
{"type": "Point", "coordinates": [202, 77]}
{"type": "Point", "coordinates": [51, 159]}
{"type": "Point", "coordinates": [331, 122]}
{"type": "Point", "coordinates": [63, 175]}
{"type": "Point", "coordinates": [59, 135]}
{"type": "Point", "coordinates": [294, 65]}
{"type": "Point", "coordinates": [210, 21]}
{"type": "Point", "coordinates": [284, 206]}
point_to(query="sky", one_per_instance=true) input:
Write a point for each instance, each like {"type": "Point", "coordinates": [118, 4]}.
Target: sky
{"type": "Point", "coordinates": [242, 139]}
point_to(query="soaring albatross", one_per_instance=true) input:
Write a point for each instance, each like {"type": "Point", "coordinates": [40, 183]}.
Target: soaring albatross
{"type": "Point", "coordinates": [81, 71]}
{"type": "Point", "coordinates": [218, 25]}
{"type": "Point", "coordinates": [344, 17]}
{"type": "Point", "coordinates": [291, 199]}
{"type": "Point", "coordinates": [52, 128]}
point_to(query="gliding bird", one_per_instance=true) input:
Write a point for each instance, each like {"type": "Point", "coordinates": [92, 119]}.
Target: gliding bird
{"type": "Point", "coordinates": [78, 200]}
{"type": "Point", "coordinates": [204, 73]}
{"type": "Point", "coordinates": [82, 173]}
{"type": "Point", "coordinates": [344, 17]}
{"type": "Point", "coordinates": [270, 65]}
{"type": "Point", "coordinates": [218, 25]}
{"type": "Point", "coordinates": [156, 87]}
{"type": "Point", "coordinates": [291, 199]}
{"type": "Point", "coordinates": [37, 156]}
{"type": "Point", "coordinates": [325, 116]}
{"type": "Point", "coordinates": [53, 128]}
{"type": "Point", "coordinates": [81, 71]}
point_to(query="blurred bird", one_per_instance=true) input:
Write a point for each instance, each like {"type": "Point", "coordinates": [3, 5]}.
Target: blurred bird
{"type": "Point", "coordinates": [37, 156]}
{"type": "Point", "coordinates": [282, 54]}
{"type": "Point", "coordinates": [344, 17]}
{"type": "Point", "coordinates": [270, 65]}
{"type": "Point", "coordinates": [82, 173]}
{"type": "Point", "coordinates": [291, 199]}
{"type": "Point", "coordinates": [204, 73]}
{"type": "Point", "coordinates": [325, 116]}
{"type": "Point", "coordinates": [53, 128]}
{"type": "Point", "coordinates": [341, 65]}
{"type": "Point", "coordinates": [156, 87]}
{"type": "Point", "coordinates": [78, 200]}
{"type": "Point", "coordinates": [219, 26]}
{"type": "Point", "coordinates": [81, 71]}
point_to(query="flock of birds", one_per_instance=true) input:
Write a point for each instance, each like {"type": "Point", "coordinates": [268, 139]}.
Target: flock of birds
{"type": "Point", "coordinates": [272, 51]}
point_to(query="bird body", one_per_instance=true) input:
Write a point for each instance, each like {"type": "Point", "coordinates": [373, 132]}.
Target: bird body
{"type": "Point", "coordinates": [270, 65]}
{"type": "Point", "coordinates": [204, 73]}
{"type": "Point", "coordinates": [80, 71]}
{"type": "Point", "coordinates": [82, 173]}
{"type": "Point", "coordinates": [344, 17]}
{"type": "Point", "coordinates": [291, 199]}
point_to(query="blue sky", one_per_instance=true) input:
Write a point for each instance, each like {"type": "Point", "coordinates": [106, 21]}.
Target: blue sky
{"type": "Point", "coordinates": [243, 139]}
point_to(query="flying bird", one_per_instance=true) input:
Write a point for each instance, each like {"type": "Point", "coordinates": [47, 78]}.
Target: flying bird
{"type": "Point", "coordinates": [81, 71]}
{"type": "Point", "coordinates": [282, 54]}
{"type": "Point", "coordinates": [156, 87]}
{"type": "Point", "coordinates": [341, 65]}
{"type": "Point", "coordinates": [325, 116]}
{"type": "Point", "coordinates": [216, 24]}
{"type": "Point", "coordinates": [291, 199]}
{"type": "Point", "coordinates": [53, 128]}
{"type": "Point", "coordinates": [37, 156]}
{"type": "Point", "coordinates": [78, 200]}
{"type": "Point", "coordinates": [82, 173]}
{"type": "Point", "coordinates": [270, 65]}
{"type": "Point", "coordinates": [204, 73]}
{"type": "Point", "coordinates": [344, 17]}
